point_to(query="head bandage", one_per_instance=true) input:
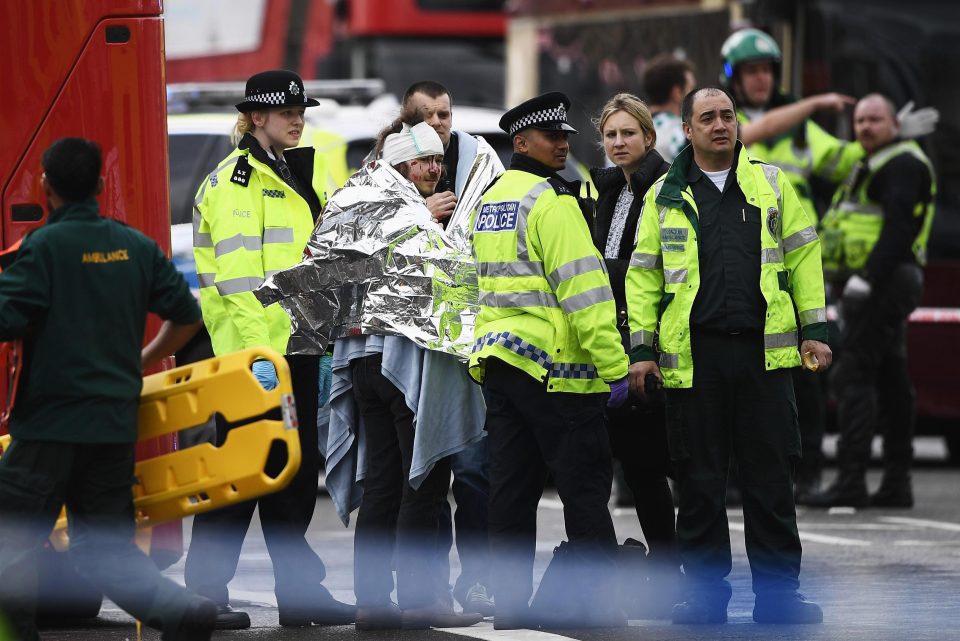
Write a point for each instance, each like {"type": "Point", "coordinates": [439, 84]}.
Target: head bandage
{"type": "Point", "coordinates": [412, 142]}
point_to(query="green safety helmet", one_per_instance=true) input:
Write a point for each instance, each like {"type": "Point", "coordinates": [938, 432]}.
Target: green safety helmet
{"type": "Point", "coordinates": [748, 45]}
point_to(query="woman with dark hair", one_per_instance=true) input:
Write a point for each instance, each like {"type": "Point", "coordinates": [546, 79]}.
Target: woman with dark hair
{"type": "Point", "coordinates": [637, 431]}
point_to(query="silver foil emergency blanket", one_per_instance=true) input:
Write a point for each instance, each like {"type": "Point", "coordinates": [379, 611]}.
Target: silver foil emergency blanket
{"type": "Point", "coordinates": [379, 264]}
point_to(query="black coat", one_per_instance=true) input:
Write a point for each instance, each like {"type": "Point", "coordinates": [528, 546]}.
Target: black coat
{"type": "Point", "coordinates": [609, 182]}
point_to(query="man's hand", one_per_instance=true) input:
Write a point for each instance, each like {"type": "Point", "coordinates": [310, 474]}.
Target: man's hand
{"type": "Point", "coordinates": [441, 205]}
{"type": "Point", "coordinates": [637, 375]}
{"type": "Point", "coordinates": [820, 351]}
{"type": "Point", "coordinates": [916, 123]}
{"type": "Point", "coordinates": [832, 101]}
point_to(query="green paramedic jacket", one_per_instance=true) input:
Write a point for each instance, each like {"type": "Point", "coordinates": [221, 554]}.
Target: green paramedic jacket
{"type": "Point", "coordinates": [546, 306]}
{"type": "Point", "coordinates": [78, 293]}
{"type": "Point", "coordinates": [853, 224]}
{"type": "Point", "coordinates": [822, 155]}
{"type": "Point", "coordinates": [247, 225]}
{"type": "Point", "coordinates": [664, 273]}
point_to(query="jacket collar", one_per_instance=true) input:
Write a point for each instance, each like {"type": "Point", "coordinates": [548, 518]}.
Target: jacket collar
{"type": "Point", "coordinates": [88, 209]}
{"type": "Point", "coordinates": [611, 178]}
{"type": "Point", "coordinates": [683, 167]}
{"type": "Point", "coordinates": [521, 162]}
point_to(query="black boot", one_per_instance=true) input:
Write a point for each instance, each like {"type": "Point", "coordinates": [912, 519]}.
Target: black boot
{"type": "Point", "coordinates": [786, 609]}
{"type": "Point", "coordinates": [849, 490]}
{"type": "Point", "coordinates": [895, 491]}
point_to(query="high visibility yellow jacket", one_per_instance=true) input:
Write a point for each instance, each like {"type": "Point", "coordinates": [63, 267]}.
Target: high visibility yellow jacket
{"type": "Point", "coordinates": [330, 158]}
{"type": "Point", "coordinates": [664, 273]}
{"type": "Point", "coordinates": [818, 154]}
{"type": "Point", "coordinates": [546, 306]}
{"type": "Point", "coordinates": [853, 224]}
{"type": "Point", "coordinates": [247, 225]}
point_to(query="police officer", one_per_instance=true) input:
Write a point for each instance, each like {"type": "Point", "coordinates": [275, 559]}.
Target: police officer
{"type": "Point", "coordinates": [875, 238]}
{"type": "Point", "coordinates": [254, 214]}
{"type": "Point", "coordinates": [724, 253]}
{"type": "Point", "coordinates": [547, 351]}
{"type": "Point", "coordinates": [78, 293]}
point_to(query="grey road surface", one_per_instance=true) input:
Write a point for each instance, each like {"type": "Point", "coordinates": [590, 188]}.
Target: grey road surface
{"type": "Point", "coordinates": [879, 574]}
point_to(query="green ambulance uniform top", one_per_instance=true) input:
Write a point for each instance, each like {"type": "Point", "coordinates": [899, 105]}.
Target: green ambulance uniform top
{"type": "Point", "coordinates": [78, 293]}
{"type": "Point", "coordinates": [546, 306]}
{"type": "Point", "coordinates": [664, 273]}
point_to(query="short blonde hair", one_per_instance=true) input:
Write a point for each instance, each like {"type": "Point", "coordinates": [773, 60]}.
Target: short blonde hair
{"type": "Point", "coordinates": [243, 126]}
{"type": "Point", "coordinates": [630, 105]}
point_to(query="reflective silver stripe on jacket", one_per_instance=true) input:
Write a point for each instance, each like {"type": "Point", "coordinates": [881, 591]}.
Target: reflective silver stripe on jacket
{"type": "Point", "coordinates": [809, 316]}
{"type": "Point", "coordinates": [278, 235]}
{"type": "Point", "coordinates": [804, 172]}
{"type": "Point", "coordinates": [583, 371]}
{"type": "Point", "coordinates": [770, 173]}
{"type": "Point", "coordinates": [534, 298]}
{"type": "Point", "coordinates": [513, 269]}
{"type": "Point", "coordinates": [239, 241]}
{"type": "Point", "coordinates": [514, 344]}
{"type": "Point", "coordinates": [200, 239]}
{"type": "Point", "coordinates": [768, 255]}
{"type": "Point", "coordinates": [646, 261]}
{"type": "Point", "coordinates": [585, 299]}
{"type": "Point", "coordinates": [641, 338]}
{"type": "Point", "coordinates": [798, 239]}
{"type": "Point", "coordinates": [271, 272]}
{"type": "Point", "coordinates": [573, 268]}
{"type": "Point", "coordinates": [526, 204]}
{"type": "Point", "coordinates": [238, 285]}
{"type": "Point", "coordinates": [671, 361]}
{"type": "Point", "coordinates": [857, 208]}
{"type": "Point", "coordinates": [776, 341]}
{"type": "Point", "coordinates": [675, 275]}
{"type": "Point", "coordinates": [207, 279]}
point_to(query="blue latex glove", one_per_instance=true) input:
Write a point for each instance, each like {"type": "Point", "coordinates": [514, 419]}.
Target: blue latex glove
{"type": "Point", "coordinates": [266, 374]}
{"type": "Point", "coordinates": [619, 391]}
{"type": "Point", "coordinates": [326, 378]}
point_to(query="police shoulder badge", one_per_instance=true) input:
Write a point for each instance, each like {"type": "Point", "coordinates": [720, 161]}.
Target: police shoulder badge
{"type": "Point", "coordinates": [241, 172]}
{"type": "Point", "coordinates": [773, 222]}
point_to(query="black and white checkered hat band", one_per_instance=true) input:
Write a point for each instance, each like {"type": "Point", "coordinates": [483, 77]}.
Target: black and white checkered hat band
{"type": "Point", "coordinates": [556, 114]}
{"type": "Point", "coordinates": [273, 98]}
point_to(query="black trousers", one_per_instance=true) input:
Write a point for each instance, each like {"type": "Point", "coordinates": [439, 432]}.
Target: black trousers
{"type": "Point", "coordinates": [735, 407]}
{"type": "Point", "coordinates": [638, 439]}
{"type": "Point", "coordinates": [393, 517]}
{"type": "Point", "coordinates": [284, 516]}
{"type": "Point", "coordinates": [531, 432]}
{"type": "Point", "coordinates": [871, 379]}
{"type": "Point", "coordinates": [94, 481]}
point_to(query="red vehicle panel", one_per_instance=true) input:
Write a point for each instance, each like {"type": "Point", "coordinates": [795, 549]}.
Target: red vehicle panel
{"type": "Point", "coordinates": [408, 18]}
{"type": "Point", "coordinates": [91, 68]}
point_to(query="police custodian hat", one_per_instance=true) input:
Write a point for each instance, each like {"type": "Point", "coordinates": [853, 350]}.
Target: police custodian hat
{"type": "Point", "coordinates": [275, 88]}
{"type": "Point", "coordinates": [547, 112]}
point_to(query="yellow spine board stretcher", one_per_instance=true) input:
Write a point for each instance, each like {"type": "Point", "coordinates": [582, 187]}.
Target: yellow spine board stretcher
{"type": "Point", "coordinates": [204, 477]}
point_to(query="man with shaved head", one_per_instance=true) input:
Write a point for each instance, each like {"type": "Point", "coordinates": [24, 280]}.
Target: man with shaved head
{"type": "Point", "coordinates": [725, 255]}
{"type": "Point", "coordinates": [875, 239]}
